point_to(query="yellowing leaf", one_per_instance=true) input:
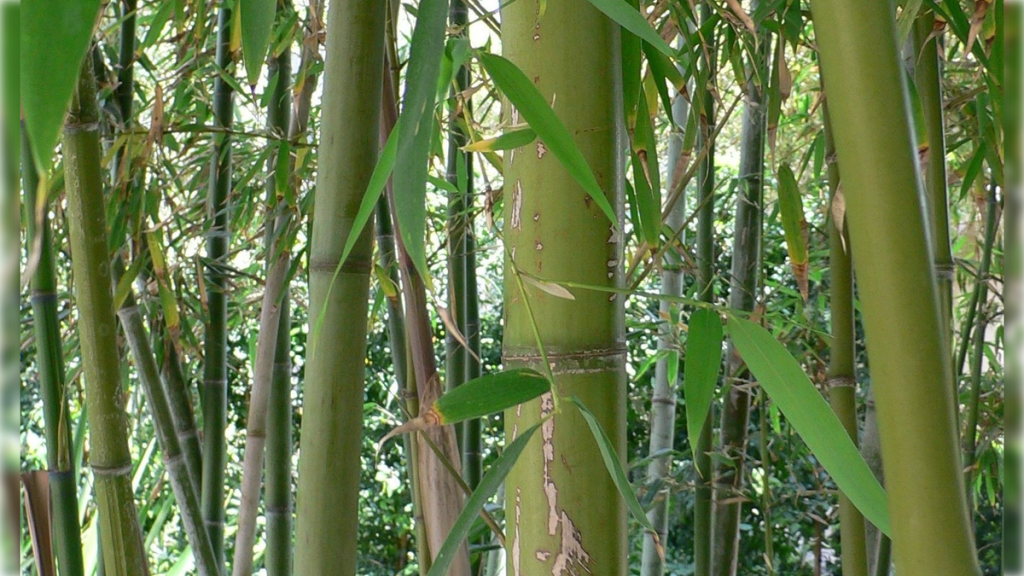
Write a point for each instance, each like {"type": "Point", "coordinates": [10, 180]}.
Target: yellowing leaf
{"type": "Point", "coordinates": [794, 225]}
{"type": "Point", "coordinates": [556, 290]}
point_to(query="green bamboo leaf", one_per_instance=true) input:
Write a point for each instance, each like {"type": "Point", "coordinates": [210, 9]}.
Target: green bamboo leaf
{"type": "Point", "coordinates": [664, 72]}
{"type": "Point", "coordinates": [542, 119]}
{"type": "Point", "coordinates": [378, 179]}
{"type": "Point", "coordinates": [631, 64]}
{"type": "Point", "coordinates": [55, 36]}
{"type": "Point", "coordinates": [645, 173]}
{"type": "Point", "coordinates": [792, 391]}
{"type": "Point", "coordinates": [507, 141]}
{"type": "Point", "coordinates": [973, 168]}
{"type": "Point", "coordinates": [416, 128]}
{"type": "Point", "coordinates": [794, 226]}
{"type": "Point", "coordinates": [700, 371]}
{"type": "Point", "coordinates": [489, 394]}
{"type": "Point", "coordinates": [615, 469]}
{"type": "Point", "coordinates": [257, 22]}
{"type": "Point", "coordinates": [630, 18]}
{"type": "Point", "coordinates": [488, 486]}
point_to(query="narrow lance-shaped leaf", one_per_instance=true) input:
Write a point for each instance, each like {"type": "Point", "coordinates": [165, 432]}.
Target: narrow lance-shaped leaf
{"type": "Point", "coordinates": [630, 18]}
{"type": "Point", "coordinates": [477, 398]}
{"type": "Point", "coordinates": [257, 22]}
{"type": "Point", "coordinates": [507, 141]}
{"type": "Point", "coordinates": [615, 470]}
{"type": "Point", "coordinates": [55, 36]}
{"type": "Point", "coordinates": [645, 173]}
{"type": "Point", "coordinates": [489, 484]}
{"type": "Point", "coordinates": [415, 129]}
{"type": "Point", "coordinates": [700, 371]}
{"type": "Point", "coordinates": [792, 391]}
{"type": "Point", "coordinates": [794, 225]}
{"type": "Point", "coordinates": [542, 119]}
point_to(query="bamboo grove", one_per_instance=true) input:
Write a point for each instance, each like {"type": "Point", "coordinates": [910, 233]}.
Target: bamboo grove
{"type": "Point", "coordinates": [461, 287]}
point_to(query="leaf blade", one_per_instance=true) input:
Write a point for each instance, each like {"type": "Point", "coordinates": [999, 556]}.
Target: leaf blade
{"type": "Point", "coordinates": [257, 23]}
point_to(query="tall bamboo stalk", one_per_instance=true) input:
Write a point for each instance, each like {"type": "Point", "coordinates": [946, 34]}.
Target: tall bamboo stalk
{"type": "Point", "coordinates": [67, 533]}
{"type": "Point", "coordinates": [109, 455]}
{"type": "Point", "coordinates": [978, 342]}
{"type": "Point", "coordinates": [703, 536]}
{"type": "Point", "coordinates": [927, 77]}
{"type": "Point", "coordinates": [842, 369]}
{"type": "Point", "coordinates": [728, 475]}
{"type": "Point", "coordinates": [278, 556]}
{"type": "Point", "coordinates": [663, 398]}
{"type": "Point", "coordinates": [328, 485]}
{"type": "Point", "coordinates": [558, 523]}
{"type": "Point", "coordinates": [903, 326]}
{"type": "Point", "coordinates": [160, 412]}
{"type": "Point", "coordinates": [179, 398]}
{"type": "Point", "coordinates": [215, 353]}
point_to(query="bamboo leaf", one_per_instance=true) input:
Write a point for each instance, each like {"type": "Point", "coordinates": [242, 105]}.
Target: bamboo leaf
{"type": "Point", "coordinates": [973, 168]}
{"type": "Point", "coordinates": [615, 470]}
{"type": "Point", "coordinates": [543, 120]}
{"type": "Point", "coordinates": [552, 288]}
{"type": "Point", "coordinates": [416, 127]}
{"type": "Point", "coordinates": [792, 391]}
{"type": "Point", "coordinates": [507, 141]}
{"type": "Point", "coordinates": [630, 18]}
{"type": "Point", "coordinates": [488, 486]}
{"type": "Point", "coordinates": [645, 173]}
{"type": "Point", "coordinates": [794, 225]}
{"type": "Point", "coordinates": [489, 394]}
{"type": "Point", "coordinates": [55, 37]}
{"type": "Point", "coordinates": [378, 179]}
{"type": "Point", "coordinates": [257, 22]}
{"type": "Point", "coordinates": [701, 368]}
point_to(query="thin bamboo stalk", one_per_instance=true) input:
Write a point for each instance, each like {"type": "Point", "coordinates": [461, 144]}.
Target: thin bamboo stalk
{"type": "Point", "coordinates": [278, 555]}
{"type": "Point", "coordinates": [703, 536]}
{"type": "Point", "coordinates": [109, 455]}
{"type": "Point", "coordinates": [978, 343]}
{"type": "Point", "coordinates": [729, 475]}
{"type": "Point", "coordinates": [842, 374]}
{"type": "Point", "coordinates": [328, 481]}
{"type": "Point", "coordinates": [563, 512]}
{"type": "Point", "coordinates": [215, 353]}
{"type": "Point", "coordinates": [67, 533]}
{"type": "Point", "coordinates": [160, 412]}
{"type": "Point", "coordinates": [259, 406]}
{"type": "Point", "coordinates": [182, 415]}
{"type": "Point", "coordinates": [663, 397]}
{"type": "Point", "coordinates": [911, 374]}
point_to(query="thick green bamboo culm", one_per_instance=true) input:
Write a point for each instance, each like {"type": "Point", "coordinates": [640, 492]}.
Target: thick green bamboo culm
{"type": "Point", "coordinates": [729, 476]}
{"type": "Point", "coordinates": [911, 373]}
{"type": "Point", "coordinates": [109, 455]}
{"type": "Point", "coordinates": [978, 339]}
{"type": "Point", "coordinates": [326, 528]}
{"type": "Point", "coordinates": [278, 465]}
{"type": "Point", "coordinates": [703, 535]}
{"type": "Point", "coordinates": [557, 524]}
{"type": "Point", "coordinates": [842, 372]}
{"type": "Point", "coordinates": [185, 493]}
{"type": "Point", "coordinates": [927, 77]}
{"type": "Point", "coordinates": [215, 351]}
{"type": "Point", "coordinates": [663, 397]}
{"type": "Point", "coordinates": [67, 533]}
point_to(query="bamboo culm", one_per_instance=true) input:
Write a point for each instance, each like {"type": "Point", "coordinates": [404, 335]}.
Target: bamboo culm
{"type": "Point", "coordinates": [215, 351]}
{"type": "Point", "coordinates": [109, 456]}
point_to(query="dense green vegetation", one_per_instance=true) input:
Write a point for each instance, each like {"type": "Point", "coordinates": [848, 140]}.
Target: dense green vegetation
{"type": "Point", "coordinates": [263, 234]}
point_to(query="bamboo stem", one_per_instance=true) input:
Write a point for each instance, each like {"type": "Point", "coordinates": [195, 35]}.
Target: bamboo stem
{"type": "Point", "coordinates": [215, 353]}
{"type": "Point", "coordinates": [328, 481]}
{"type": "Point", "coordinates": [67, 533]}
{"type": "Point", "coordinates": [174, 461]}
{"type": "Point", "coordinates": [911, 374]}
{"type": "Point", "coordinates": [729, 475]}
{"type": "Point", "coordinates": [109, 455]}
{"type": "Point", "coordinates": [663, 397]}
{"type": "Point", "coordinates": [703, 536]}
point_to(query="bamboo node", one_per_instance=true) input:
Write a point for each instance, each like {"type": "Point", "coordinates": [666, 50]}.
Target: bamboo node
{"type": "Point", "coordinates": [841, 382]}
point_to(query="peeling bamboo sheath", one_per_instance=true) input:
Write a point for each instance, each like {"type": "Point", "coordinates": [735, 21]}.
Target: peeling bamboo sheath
{"type": "Point", "coordinates": [558, 524]}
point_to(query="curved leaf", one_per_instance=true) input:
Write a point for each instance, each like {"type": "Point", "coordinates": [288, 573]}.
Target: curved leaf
{"type": "Point", "coordinates": [543, 120]}
{"type": "Point", "coordinates": [792, 391]}
{"type": "Point", "coordinates": [700, 371]}
{"type": "Point", "coordinates": [490, 394]}
{"type": "Point", "coordinates": [630, 18]}
{"type": "Point", "coordinates": [55, 36]}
